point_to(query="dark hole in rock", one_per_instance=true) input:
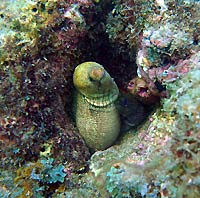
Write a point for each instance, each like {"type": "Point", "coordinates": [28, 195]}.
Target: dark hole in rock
{"type": "Point", "coordinates": [50, 11]}
{"type": "Point", "coordinates": [118, 63]}
{"type": "Point", "coordinates": [34, 9]}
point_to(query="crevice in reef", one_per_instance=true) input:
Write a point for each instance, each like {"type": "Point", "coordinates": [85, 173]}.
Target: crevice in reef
{"type": "Point", "coordinates": [96, 46]}
{"type": "Point", "coordinates": [41, 43]}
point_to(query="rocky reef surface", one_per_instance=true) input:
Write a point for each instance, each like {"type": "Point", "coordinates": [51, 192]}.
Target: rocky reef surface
{"type": "Point", "coordinates": [151, 49]}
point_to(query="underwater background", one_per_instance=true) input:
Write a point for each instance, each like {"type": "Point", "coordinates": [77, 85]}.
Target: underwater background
{"type": "Point", "coordinates": [150, 48]}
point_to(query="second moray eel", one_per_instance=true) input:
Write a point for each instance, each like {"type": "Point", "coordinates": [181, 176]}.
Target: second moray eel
{"type": "Point", "coordinates": [96, 115]}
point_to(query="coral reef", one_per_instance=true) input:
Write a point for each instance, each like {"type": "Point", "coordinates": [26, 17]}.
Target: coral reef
{"type": "Point", "coordinates": [155, 29]}
{"type": "Point", "coordinates": [129, 19]}
{"type": "Point", "coordinates": [162, 158]}
{"type": "Point", "coordinates": [40, 50]}
{"type": "Point", "coordinates": [160, 59]}
{"type": "Point", "coordinates": [37, 178]}
{"type": "Point", "coordinates": [150, 48]}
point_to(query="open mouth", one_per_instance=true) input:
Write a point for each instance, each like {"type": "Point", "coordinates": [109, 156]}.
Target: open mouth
{"type": "Point", "coordinates": [143, 92]}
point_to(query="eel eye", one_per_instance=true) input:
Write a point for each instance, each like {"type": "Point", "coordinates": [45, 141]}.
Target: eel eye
{"type": "Point", "coordinates": [91, 79]}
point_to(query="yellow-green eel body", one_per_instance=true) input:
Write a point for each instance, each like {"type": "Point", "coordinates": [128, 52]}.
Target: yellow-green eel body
{"type": "Point", "coordinates": [96, 115]}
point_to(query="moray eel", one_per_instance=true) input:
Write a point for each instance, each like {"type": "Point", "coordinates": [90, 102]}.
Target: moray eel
{"type": "Point", "coordinates": [96, 115]}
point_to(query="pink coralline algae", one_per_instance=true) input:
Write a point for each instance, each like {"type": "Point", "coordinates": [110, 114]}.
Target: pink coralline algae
{"type": "Point", "coordinates": [150, 48]}
{"type": "Point", "coordinates": [40, 51]}
{"type": "Point", "coordinates": [160, 60]}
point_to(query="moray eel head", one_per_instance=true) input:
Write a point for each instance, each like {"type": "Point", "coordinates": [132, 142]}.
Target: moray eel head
{"type": "Point", "coordinates": [96, 115]}
{"type": "Point", "coordinates": [95, 84]}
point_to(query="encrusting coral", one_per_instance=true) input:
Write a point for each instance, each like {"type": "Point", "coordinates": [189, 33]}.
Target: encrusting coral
{"type": "Point", "coordinates": [96, 115]}
{"type": "Point", "coordinates": [38, 52]}
{"type": "Point", "coordinates": [162, 158]}
{"type": "Point", "coordinates": [151, 47]}
{"type": "Point", "coordinates": [156, 31]}
{"type": "Point", "coordinates": [39, 44]}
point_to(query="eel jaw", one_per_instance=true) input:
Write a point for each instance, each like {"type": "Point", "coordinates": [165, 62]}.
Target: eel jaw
{"type": "Point", "coordinates": [102, 101]}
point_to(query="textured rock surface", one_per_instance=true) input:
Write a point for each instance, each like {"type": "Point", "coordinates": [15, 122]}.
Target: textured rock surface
{"type": "Point", "coordinates": [41, 42]}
